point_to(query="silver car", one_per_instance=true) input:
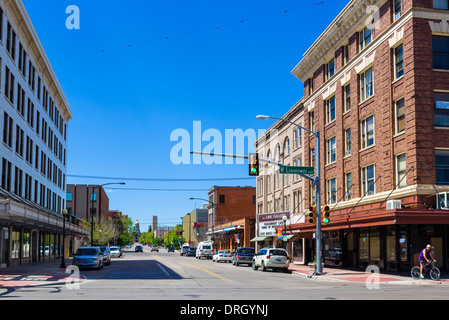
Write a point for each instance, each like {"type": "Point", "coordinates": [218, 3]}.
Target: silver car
{"type": "Point", "coordinates": [106, 252]}
{"type": "Point", "coordinates": [88, 257]}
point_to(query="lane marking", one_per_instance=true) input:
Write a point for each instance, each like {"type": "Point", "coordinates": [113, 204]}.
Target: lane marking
{"type": "Point", "coordinates": [163, 269]}
{"type": "Point", "coordinates": [209, 272]}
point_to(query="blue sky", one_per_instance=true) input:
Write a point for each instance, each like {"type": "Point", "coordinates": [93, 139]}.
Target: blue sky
{"type": "Point", "coordinates": [127, 100]}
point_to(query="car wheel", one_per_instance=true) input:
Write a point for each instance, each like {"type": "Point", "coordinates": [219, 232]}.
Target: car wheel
{"type": "Point", "coordinates": [262, 267]}
{"type": "Point", "coordinates": [254, 266]}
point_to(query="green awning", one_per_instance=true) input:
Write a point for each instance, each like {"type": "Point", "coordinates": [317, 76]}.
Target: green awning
{"type": "Point", "coordinates": [257, 239]}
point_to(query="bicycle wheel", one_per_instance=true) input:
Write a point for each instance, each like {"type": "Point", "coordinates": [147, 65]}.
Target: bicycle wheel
{"type": "Point", "coordinates": [435, 273]}
{"type": "Point", "coordinates": [415, 273]}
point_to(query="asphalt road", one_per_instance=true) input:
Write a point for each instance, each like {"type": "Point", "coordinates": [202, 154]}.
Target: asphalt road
{"type": "Point", "coordinates": [169, 276]}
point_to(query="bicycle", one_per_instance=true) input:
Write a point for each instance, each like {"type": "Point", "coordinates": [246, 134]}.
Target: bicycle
{"type": "Point", "coordinates": [430, 268]}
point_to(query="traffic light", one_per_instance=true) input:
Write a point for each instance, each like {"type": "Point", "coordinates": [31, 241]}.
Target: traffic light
{"type": "Point", "coordinates": [253, 164]}
{"type": "Point", "coordinates": [312, 215]}
{"type": "Point", "coordinates": [326, 214]}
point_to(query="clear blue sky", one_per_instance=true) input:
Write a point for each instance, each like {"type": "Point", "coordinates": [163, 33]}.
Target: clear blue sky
{"type": "Point", "coordinates": [127, 100]}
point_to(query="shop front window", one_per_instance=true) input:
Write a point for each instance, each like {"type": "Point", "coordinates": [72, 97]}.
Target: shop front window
{"type": "Point", "coordinates": [15, 245]}
{"type": "Point", "coordinates": [364, 245]}
{"type": "Point", "coordinates": [391, 243]}
{"type": "Point", "coordinates": [26, 245]}
{"type": "Point", "coordinates": [374, 244]}
{"type": "Point", "coordinates": [403, 245]}
{"type": "Point", "coordinates": [332, 249]}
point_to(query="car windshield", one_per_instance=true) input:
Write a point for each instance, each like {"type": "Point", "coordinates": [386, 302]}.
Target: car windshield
{"type": "Point", "coordinates": [278, 253]}
{"type": "Point", "coordinates": [86, 252]}
{"type": "Point", "coordinates": [114, 249]}
{"type": "Point", "coordinates": [246, 250]}
{"type": "Point", "coordinates": [102, 249]}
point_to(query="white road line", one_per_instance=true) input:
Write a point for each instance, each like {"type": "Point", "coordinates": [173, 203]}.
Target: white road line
{"type": "Point", "coordinates": [162, 268]}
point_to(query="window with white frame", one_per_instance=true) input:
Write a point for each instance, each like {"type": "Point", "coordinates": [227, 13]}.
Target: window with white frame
{"type": "Point", "coordinates": [348, 142]}
{"type": "Point", "coordinates": [329, 69]}
{"type": "Point", "coordinates": [366, 85]}
{"type": "Point", "coordinates": [331, 191]}
{"type": "Point", "coordinates": [365, 37]}
{"type": "Point", "coordinates": [330, 109]}
{"type": "Point", "coordinates": [367, 132]}
{"type": "Point", "coordinates": [401, 171]}
{"type": "Point", "coordinates": [399, 61]}
{"type": "Point", "coordinates": [286, 147]}
{"type": "Point", "coordinates": [368, 179]}
{"type": "Point", "coordinates": [347, 97]}
{"type": "Point", "coordinates": [295, 138]}
{"type": "Point", "coordinates": [331, 147]}
{"type": "Point", "coordinates": [400, 115]}
{"type": "Point", "coordinates": [397, 9]}
{"type": "Point", "coordinates": [348, 185]}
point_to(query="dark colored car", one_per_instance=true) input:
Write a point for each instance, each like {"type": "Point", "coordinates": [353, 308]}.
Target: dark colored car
{"type": "Point", "coordinates": [171, 249]}
{"type": "Point", "coordinates": [191, 252]}
{"type": "Point", "coordinates": [138, 248]}
{"type": "Point", "coordinates": [243, 255]}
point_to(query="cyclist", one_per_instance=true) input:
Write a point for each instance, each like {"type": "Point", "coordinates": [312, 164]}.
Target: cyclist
{"type": "Point", "coordinates": [424, 258]}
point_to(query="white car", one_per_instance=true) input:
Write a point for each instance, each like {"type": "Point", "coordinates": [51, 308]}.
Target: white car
{"type": "Point", "coordinates": [274, 258]}
{"type": "Point", "coordinates": [222, 256]}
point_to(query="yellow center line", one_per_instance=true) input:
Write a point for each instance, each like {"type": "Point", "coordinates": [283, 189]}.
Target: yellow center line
{"type": "Point", "coordinates": [205, 270]}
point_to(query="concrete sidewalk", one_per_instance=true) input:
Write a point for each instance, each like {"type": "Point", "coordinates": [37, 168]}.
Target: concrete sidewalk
{"type": "Point", "coordinates": [41, 274]}
{"type": "Point", "coordinates": [356, 276]}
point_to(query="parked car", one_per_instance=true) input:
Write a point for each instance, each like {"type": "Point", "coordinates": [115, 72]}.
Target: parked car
{"type": "Point", "coordinates": [274, 258]}
{"type": "Point", "coordinates": [243, 255]}
{"type": "Point", "coordinates": [116, 251]}
{"type": "Point", "coordinates": [171, 248]}
{"type": "Point", "coordinates": [204, 250]}
{"type": "Point", "coordinates": [138, 248]}
{"type": "Point", "coordinates": [222, 256]}
{"type": "Point", "coordinates": [106, 252]}
{"type": "Point", "coordinates": [190, 252]}
{"type": "Point", "coordinates": [155, 248]}
{"type": "Point", "coordinates": [184, 250]}
{"type": "Point", "coordinates": [88, 257]}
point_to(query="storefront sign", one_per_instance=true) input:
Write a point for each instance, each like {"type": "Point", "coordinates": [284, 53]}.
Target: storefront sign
{"type": "Point", "coordinates": [268, 222]}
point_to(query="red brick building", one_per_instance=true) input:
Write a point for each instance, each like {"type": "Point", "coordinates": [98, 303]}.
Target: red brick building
{"type": "Point", "coordinates": [232, 216]}
{"type": "Point", "coordinates": [376, 87]}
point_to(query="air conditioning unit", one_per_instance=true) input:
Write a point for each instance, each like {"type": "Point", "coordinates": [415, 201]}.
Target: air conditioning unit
{"type": "Point", "coordinates": [394, 204]}
{"type": "Point", "coordinates": [443, 201]}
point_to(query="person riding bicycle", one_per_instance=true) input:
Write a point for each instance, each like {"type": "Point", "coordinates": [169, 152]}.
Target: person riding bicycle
{"type": "Point", "coordinates": [424, 258]}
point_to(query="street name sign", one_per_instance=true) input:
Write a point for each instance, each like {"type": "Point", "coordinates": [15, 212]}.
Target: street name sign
{"type": "Point", "coordinates": [296, 170]}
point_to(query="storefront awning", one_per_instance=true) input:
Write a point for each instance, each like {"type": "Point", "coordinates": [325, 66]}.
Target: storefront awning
{"type": "Point", "coordinates": [257, 239]}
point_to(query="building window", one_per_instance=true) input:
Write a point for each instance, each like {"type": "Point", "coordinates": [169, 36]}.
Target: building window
{"type": "Point", "coordinates": [441, 4]}
{"type": "Point", "coordinates": [345, 54]}
{"type": "Point", "coordinates": [367, 132]}
{"type": "Point", "coordinates": [312, 157]}
{"type": "Point", "coordinates": [331, 191]}
{"type": "Point", "coordinates": [11, 41]}
{"type": "Point", "coordinates": [348, 185]}
{"type": "Point", "coordinates": [310, 85]}
{"type": "Point", "coordinates": [329, 69]}
{"type": "Point", "coordinates": [440, 48]}
{"type": "Point", "coordinates": [7, 129]}
{"type": "Point", "coordinates": [312, 120]}
{"type": "Point", "coordinates": [366, 85]}
{"type": "Point", "coordinates": [400, 116]}
{"type": "Point", "coordinates": [347, 97]}
{"type": "Point", "coordinates": [396, 9]}
{"type": "Point", "coordinates": [368, 186]}
{"type": "Point", "coordinates": [69, 196]}
{"type": "Point", "coordinates": [441, 112]}
{"type": "Point", "coordinates": [330, 110]}
{"type": "Point", "coordinates": [365, 37]}
{"type": "Point", "coordinates": [221, 198]}
{"type": "Point", "coordinates": [398, 62]}
{"type": "Point", "coordinates": [287, 147]}
{"type": "Point", "coordinates": [19, 140]}
{"type": "Point", "coordinates": [442, 166]}
{"type": "Point", "coordinates": [6, 174]}
{"type": "Point", "coordinates": [9, 85]}
{"type": "Point", "coordinates": [401, 171]}
{"type": "Point", "coordinates": [331, 150]}
{"type": "Point", "coordinates": [348, 142]}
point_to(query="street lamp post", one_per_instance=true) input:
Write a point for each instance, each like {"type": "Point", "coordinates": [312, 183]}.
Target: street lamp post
{"type": "Point", "coordinates": [213, 214]}
{"type": "Point", "coordinates": [64, 215]}
{"type": "Point", "coordinates": [92, 209]}
{"type": "Point", "coordinates": [317, 183]}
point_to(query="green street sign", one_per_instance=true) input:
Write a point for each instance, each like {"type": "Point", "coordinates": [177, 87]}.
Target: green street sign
{"type": "Point", "coordinates": [296, 170]}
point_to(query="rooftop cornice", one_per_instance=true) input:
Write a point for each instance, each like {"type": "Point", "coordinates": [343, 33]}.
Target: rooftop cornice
{"type": "Point", "coordinates": [348, 21]}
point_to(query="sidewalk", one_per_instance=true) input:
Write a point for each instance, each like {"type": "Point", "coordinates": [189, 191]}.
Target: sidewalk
{"type": "Point", "coordinates": [356, 276]}
{"type": "Point", "coordinates": [41, 274]}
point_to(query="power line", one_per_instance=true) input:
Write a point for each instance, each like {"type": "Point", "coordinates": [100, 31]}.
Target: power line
{"type": "Point", "coordinates": [157, 179]}
{"type": "Point", "coordinates": [156, 189]}
{"type": "Point", "coordinates": [129, 45]}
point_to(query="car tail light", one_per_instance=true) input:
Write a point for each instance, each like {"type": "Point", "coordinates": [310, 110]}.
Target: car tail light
{"type": "Point", "coordinates": [268, 257]}
{"type": "Point", "coordinates": [238, 256]}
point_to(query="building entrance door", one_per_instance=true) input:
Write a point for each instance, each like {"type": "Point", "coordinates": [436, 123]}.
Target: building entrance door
{"type": "Point", "coordinates": [437, 251]}
{"type": "Point", "coordinates": [348, 249]}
